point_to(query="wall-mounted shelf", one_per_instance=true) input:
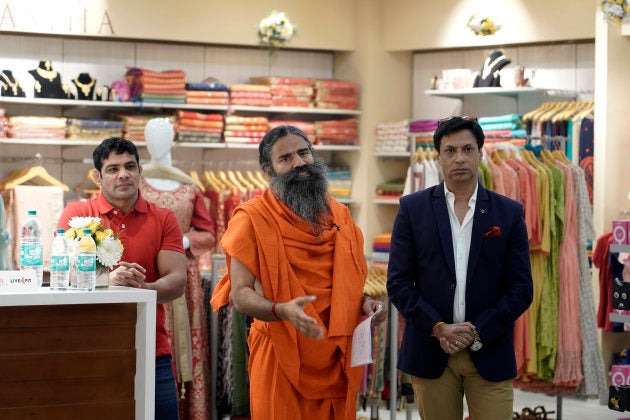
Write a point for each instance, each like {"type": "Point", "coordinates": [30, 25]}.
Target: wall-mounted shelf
{"type": "Point", "coordinates": [515, 92]}
{"type": "Point", "coordinates": [392, 202]}
{"type": "Point", "coordinates": [65, 142]}
{"type": "Point", "coordinates": [72, 103]}
{"type": "Point", "coordinates": [405, 155]}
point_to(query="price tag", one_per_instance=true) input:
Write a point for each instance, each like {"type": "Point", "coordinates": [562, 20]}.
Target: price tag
{"type": "Point", "coordinates": [18, 281]}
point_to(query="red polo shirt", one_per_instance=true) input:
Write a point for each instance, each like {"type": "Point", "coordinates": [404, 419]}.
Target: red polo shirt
{"type": "Point", "coordinates": [144, 231]}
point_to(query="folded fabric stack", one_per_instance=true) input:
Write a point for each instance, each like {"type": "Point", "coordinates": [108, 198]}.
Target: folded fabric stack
{"type": "Point", "coordinates": [392, 137]}
{"type": "Point", "coordinates": [339, 181]}
{"type": "Point", "coordinates": [167, 86]}
{"type": "Point", "coordinates": [198, 128]}
{"type": "Point", "coordinates": [134, 124]}
{"type": "Point", "coordinates": [337, 132]}
{"type": "Point", "coordinates": [4, 123]}
{"type": "Point", "coordinates": [390, 190]}
{"type": "Point", "coordinates": [508, 125]}
{"type": "Point", "coordinates": [213, 93]}
{"type": "Point", "coordinates": [288, 91]}
{"type": "Point", "coordinates": [245, 130]}
{"type": "Point", "coordinates": [336, 94]}
{"type": "Point", "coordinates": [93, 129]}
{"type": "Point", "coordinates": [306, 126]}
{"type": "Point", "coordinates": [250, 94]}
{"type": "Point", "coordinates": [382, 242]}
{"type": "Point", "coordinates": [422, 131]}
{"type": "Point", "coordinates": [24, 127]}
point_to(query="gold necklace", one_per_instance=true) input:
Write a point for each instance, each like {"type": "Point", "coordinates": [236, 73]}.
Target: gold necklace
{"type": "Point", "coordinates": [85, 87]}
{"type": "Point", "coordinates": [487, 66]}
{"type": "Point", "coordinates": [13, 85]}
{"type": "Point", "coordinates": [47, 74]}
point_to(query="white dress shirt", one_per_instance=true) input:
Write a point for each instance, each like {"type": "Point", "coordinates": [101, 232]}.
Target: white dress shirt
{"type": "Point", "coordinates": [461, 234]}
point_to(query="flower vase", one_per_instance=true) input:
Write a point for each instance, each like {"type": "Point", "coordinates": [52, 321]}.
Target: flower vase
{"type": "Point", "coordinates": [102, 277]}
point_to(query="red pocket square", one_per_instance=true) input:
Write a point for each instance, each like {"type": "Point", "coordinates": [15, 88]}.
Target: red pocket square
{"type": "Point", "coordinates": [493, 232]}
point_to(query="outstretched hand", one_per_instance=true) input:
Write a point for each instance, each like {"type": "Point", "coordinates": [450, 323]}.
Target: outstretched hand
{"type": "Point", "coordinates": [293, 311]}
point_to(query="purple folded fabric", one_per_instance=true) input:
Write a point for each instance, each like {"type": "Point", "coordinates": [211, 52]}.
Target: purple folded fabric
{"type": "Point", "coordinates": [422, 125]}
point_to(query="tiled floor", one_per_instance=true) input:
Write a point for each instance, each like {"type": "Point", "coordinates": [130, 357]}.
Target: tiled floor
{"type": "Point", "coordinates": [572, 409]}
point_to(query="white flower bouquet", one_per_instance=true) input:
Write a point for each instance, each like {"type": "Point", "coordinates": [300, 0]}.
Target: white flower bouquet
{"type": "Point", "coordinates": [483, 26]}
{"type": "Point", "coordinates": [614, 10]}
{"type": "Point", "coordinates": [109, 249]}
{"type": "Point", "coordinates": [276, 30]}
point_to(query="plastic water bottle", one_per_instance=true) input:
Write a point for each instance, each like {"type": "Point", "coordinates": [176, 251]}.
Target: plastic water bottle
{"type": "Point", "coordinates": [86, 262]}
{"type": "Point", "coordinates": [59, 262]}
{"type": "Point", "coordinates": [31, 247]}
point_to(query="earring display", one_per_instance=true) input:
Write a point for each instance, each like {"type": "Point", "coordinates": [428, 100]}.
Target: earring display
{"type": "Point", "coordinates": [47, 81]}
{"type": "Point", "coordinates": [10, 85]}
{"type": "Point", "coordinates": [85, 86]}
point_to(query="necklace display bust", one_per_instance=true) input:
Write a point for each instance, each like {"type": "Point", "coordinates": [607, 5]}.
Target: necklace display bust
{"type": "Point", "coordinates": [10, 85]}
{"type": "Point", "coordinates": [47, 81]}
{"type": "Point", "coordinates": [85, 86]}
{"type": "Point", "coordinates": [489, 74]}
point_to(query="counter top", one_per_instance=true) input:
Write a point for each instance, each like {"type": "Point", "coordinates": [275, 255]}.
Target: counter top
{"type": "Point", "coordinates": [45, 296]}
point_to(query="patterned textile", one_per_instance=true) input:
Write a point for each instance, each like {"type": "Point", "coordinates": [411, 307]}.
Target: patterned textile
{"type": "Point", "coordinates": [188, 205]}
{"type": "Point", "coordinates": [5, 240]}
{"type": "Point", "coordinates": [48, 201]}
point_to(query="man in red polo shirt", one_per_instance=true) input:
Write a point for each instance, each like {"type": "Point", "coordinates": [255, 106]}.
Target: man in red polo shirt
{"type": "Point", "coordinates": [153, 257]}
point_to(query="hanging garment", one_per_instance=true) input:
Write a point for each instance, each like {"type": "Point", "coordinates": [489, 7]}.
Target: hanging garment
{"type": "Point", "coordinates": [192, 353]}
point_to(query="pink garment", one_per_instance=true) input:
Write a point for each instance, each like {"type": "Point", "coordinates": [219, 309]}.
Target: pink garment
{"type": "Point", "coordinates": [510, 181]}
{"type": "Point", "coordinates": [190, 208]}
{"type": "Point", "coordinates": [569, 357]}
{"type": "Point", "coordinates": [497, 177]}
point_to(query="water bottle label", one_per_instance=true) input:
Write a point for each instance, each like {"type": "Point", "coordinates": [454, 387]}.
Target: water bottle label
{"type": "Point", "coordinates": [86, 262]}
{"type": "Point", "coordinates": [59, 263]}
{"type": "Point", "coordinates": [31, 254]}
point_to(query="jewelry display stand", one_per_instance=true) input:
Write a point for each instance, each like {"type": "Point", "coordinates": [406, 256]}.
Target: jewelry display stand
{"type": "Point", "coordinates": [489, 74]}
{"type": "Point", "coordinates": [47, 81]}
{"type": "Point", "coordinates": [85, 86]}
{"type": "Point", "coordinates": [10, 85]}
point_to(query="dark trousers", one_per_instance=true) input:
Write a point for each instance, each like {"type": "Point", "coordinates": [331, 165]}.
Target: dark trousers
{"type": "Point", "coordinates": [165, 390]}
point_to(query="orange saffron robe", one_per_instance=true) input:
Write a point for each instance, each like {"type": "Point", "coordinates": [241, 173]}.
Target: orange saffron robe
{"type": "Point", "coordinates": [292, 376]}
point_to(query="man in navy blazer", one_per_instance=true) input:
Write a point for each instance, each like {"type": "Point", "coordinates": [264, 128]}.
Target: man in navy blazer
{"type": "Point", "coordinates": [459, 273]}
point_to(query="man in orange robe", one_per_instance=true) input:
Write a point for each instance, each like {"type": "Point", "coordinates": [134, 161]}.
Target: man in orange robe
{"type": "Point", "coordinates": [296, 265]}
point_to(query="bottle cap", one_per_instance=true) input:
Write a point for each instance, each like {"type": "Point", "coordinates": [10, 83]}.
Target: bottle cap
{"type": "Point", "coordinates": [32, 212]}
{"type": "Point", "coordinates": [87, 231]}
{"type": "Point", "coordinates": [60, 231]}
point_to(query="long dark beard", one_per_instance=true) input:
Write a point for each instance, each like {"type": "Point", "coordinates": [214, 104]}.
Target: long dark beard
{"type": "Point", "coordinates": [305, 196]}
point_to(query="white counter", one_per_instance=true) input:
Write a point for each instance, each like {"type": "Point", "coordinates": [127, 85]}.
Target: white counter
{"type": "Point", "coordinates": [145, 328]}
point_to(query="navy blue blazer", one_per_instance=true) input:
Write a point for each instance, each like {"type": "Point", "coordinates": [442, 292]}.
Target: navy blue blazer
{"type": "Point", "coordinates": [421, 280]}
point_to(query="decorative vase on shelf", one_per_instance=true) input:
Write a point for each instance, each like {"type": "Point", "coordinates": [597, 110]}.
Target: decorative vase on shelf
{"type": "Point", "coordinates": [102, 277]}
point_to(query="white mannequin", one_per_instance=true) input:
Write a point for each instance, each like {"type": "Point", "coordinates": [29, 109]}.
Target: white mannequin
{"type": "Point", "coordinates": [159, 172]}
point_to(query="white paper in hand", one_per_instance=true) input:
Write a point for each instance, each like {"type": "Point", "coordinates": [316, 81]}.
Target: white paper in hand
{"type": "Point", "coordinates": [362, 342]}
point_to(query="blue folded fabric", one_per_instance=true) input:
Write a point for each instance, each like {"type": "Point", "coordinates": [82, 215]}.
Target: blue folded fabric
{"type": "Point", "coordinates": [94, 123]}
{"type": "Point", "coordinates": [207, 86]}
{"type": "Point", "coordinates": [501, 126]}
{"type": "Point", "coordinates": [499, 119]}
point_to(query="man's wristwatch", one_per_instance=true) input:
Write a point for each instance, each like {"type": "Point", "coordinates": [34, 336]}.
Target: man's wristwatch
{"type": "Point", "coordinates": [476, 344]}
